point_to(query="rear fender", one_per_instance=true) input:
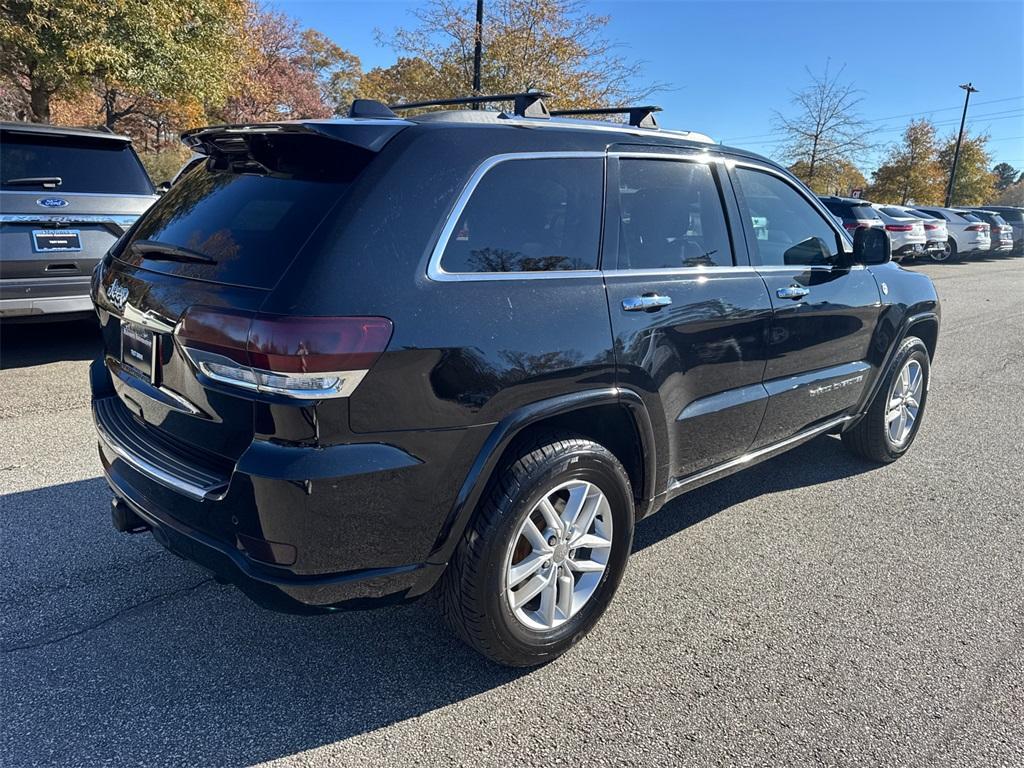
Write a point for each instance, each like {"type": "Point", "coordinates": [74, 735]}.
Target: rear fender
{"type": "Point", "coordinates": [512, 425]}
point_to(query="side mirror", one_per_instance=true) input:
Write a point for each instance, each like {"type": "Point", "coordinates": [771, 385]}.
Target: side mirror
{"type": "Point", "coordinates": [162, 187]}
{"type": "Point", "coordinates": [871, 246]}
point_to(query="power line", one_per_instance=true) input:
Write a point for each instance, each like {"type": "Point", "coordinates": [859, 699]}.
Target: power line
{"type": "Point", "coordinates": [919, 113]}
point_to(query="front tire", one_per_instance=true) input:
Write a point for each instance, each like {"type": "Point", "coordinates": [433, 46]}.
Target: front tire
{"type": "Point", "coordinates": [544, 554]}
{"type": "Point", "coordinates": [894, 417]}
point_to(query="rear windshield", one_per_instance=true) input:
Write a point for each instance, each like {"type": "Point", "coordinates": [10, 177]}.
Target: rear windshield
{"type": "Point", "coordinates": [35, 163]}
{"type": "Point", "coordinates": [239, 225]}
{"type": "Point", "coordinates": [851, 210]}
{"type": "Point", "coordinates": [899, 213]}
{"type": "Point", "coordinates": [1012, 215]}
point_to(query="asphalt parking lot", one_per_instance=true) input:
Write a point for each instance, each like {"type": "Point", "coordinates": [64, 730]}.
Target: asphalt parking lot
{"type": "Point", "coordinates": [812, 610]}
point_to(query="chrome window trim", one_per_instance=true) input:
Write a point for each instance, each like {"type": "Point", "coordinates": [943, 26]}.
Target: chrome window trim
{"type": "Point", "coordinates": [685, 272]}
{"type": "Point", "coordinates": [434, 269]}
{"type": "Point", "coordinates": [826, 215]}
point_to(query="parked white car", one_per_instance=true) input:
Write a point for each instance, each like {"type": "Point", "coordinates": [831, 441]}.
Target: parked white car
{"type": "Point", "coordinates": [936, 234]}
{"type": "Point", "coordinates": [906, 233]}
{"type": "Point", "coordinates": [967, 233]}
{"type": "Point", "coordinates": [1000, 231]}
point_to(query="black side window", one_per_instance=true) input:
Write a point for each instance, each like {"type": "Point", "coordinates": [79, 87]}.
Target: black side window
{"type": "Point", "coordinates": [670, 216]}
{"type": "Point", "coordinates": [788, 230]}
{"type": "Point", "coordinates": [531, 215]}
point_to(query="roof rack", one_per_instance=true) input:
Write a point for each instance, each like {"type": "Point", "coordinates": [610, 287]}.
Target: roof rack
{"type": "Point", "coordinates": [639, 117]}
{"type": "Point", "coordinates": [525, 104]}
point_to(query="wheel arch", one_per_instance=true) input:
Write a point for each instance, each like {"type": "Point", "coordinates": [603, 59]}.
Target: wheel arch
{"type": "Point", "coordinates": [600, 414]}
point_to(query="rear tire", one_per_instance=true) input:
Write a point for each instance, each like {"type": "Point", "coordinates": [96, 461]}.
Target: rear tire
{"type": "Point", "coordinates": [514, 547]}
{"type": "Point", "coordinates": [894, 417]}
{"type": "Point", "coordinates": [945, 254]}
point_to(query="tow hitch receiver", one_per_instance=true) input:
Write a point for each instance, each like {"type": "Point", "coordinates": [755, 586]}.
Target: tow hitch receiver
{"type": "Point", "coordinates": [124, 519]}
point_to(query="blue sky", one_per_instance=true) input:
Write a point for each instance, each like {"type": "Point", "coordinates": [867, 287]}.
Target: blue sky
{"type": "Point", "coordinates": [731, 63]}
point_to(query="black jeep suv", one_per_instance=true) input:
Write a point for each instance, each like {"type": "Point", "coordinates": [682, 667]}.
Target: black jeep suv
{"type": "Point", "coordinates": [357, 360]}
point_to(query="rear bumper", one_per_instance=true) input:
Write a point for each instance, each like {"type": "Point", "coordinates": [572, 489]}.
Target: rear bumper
{"type": "Point", "coordinates": [44, 296]}
{"type": "Point", "coordinates": [289, 542]}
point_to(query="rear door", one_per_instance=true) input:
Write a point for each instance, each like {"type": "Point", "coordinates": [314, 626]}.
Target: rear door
{"type": "Point", "coordinates": [823, 312]}
{"type": "Point", "coordinates": [689, 315]}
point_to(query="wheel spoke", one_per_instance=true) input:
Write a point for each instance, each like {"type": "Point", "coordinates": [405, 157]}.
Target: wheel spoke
{"type": "Point", "coordinates": [590, 541]}
{"type": "Point", "coordinates": [911, 402]}
{"type": "Point", "coordinates": [549, 599]}
{"type": "Point", "coordinates": [550, 515]}
{"type": "Point", "coordinates": [574, 506]}
{"type": "Point", "coordinates": [533, 535]}
{"type": "Point", "coordinates": [565, 590]}
{"type": "Point", "coordinates": [533, 587]}
{"type": "Point", "coordinates": [892, 415]}
{"type": "Point", "coordinates": [585, 566]}
{"type": "Point", "coordinates": [526, 568]}
{"type": "Point", "coordinates": [594, 502]}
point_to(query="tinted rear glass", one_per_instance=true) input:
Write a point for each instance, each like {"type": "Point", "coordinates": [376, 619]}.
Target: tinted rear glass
{"type": "Point", "coordinates": [851, 210]}
{"type": "Point", "coordinates": [1017, 216]}
{"type": "Point", "coordinates": [83, 165]}
{"type": "Point", "coordinates": [897, 212]}
{"type": "Point", "coordinates": [250, 224]}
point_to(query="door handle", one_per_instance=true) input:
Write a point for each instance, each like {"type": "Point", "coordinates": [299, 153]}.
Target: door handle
{"type": "Point", "coordinates": [645, 303]}
{"type": "Point", "coordinates": [792, 292]}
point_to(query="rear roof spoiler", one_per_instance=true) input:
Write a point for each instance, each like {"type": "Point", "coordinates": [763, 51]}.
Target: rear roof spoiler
{"type": "Point", "coordinates": [368, 134]}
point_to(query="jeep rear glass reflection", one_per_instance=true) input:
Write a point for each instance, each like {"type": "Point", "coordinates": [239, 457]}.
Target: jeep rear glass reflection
{"type": "Point", "coordinates": [243, 221]}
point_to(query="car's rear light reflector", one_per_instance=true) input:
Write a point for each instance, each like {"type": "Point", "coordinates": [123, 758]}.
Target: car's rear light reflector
{"type": "Point", "coordinates": [301, 357]}
{"type": "Point", "coordinates": [854, 225]}
{"type": "Point", "coordinates": [899, 227]}
{"type": "Point", "coordinates": [931, 226]}
{"type": "Point", "coordinates": [977, 228]}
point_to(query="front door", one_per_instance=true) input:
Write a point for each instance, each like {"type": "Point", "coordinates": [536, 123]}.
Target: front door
{"type": "Point", "coordinates": [824, 310]}
{"type": "Point", "coordinates": [689, 318]}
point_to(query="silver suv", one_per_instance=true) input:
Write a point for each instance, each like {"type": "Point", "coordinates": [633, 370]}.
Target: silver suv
{"type": "Point", "coordinates": [66, 195]}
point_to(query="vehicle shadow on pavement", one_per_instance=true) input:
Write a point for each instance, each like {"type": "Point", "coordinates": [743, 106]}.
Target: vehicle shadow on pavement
{"type": "Point", "coordinates": [821, 460]}
{"type": "Point", "coordinates": [26, 344]}
{"type": "Point", "coordinates": [114, 651]}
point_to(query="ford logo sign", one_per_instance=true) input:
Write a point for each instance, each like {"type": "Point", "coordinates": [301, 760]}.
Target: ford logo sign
{"type": "Point", "coordinates": [51, 202]}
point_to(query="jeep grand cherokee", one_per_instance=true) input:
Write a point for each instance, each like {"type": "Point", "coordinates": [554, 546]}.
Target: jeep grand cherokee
{"type": "Point", "coordinates": [355, 361]}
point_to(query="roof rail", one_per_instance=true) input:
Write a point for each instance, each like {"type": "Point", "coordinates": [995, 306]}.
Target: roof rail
{"type": "Point", "coordinates": [525, 104]}
{"type": "Point", "coordinates": [639, 117]}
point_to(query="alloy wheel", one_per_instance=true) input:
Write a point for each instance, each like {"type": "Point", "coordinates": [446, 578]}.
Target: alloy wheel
{"type": "Point", "coordinates": [904, 403]}
{"type": "Point", "coordinates": [555, 562]}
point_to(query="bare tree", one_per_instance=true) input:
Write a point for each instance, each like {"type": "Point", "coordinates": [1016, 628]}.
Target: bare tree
{"type": "Point", "coordinates": [824, 129]}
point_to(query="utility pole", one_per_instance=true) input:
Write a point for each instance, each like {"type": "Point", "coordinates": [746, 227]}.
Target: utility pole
{"type": "Point", "coordinates": [478, 49]}
{"type": "Point", "coordinates": [969, 87]}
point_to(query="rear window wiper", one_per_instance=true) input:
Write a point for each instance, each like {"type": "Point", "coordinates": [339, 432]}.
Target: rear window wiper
{"type": "Point", "coordinates": [164, 251]}
{"type": "Point", "coordinates": [50, 182]}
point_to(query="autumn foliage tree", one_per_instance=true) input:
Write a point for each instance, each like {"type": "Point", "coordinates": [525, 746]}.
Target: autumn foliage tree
{"type": "Point", "coordinates": [910, 171]}
{"type": "Point", "coordinates": [975, 184]}
{"type": "Point", "coordinates": [554, 45]}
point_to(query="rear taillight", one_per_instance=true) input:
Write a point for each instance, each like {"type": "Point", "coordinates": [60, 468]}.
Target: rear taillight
{"type": "Point", "coordinates": [899, 227]}
{"type": "Point", "coordinates": [931, 226]}
{"type": "Point", "coordinates": [301, 357]}
{"type": "Point", "coordinates": [851, 226]}
{"type": "Point", "coordinates": [976, 228]}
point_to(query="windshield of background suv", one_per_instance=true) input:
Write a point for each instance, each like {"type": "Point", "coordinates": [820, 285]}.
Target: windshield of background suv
{"type": "Point", "coordinates": [99, 166]}
{"type": "Point", "coordinates": [897, 212]}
